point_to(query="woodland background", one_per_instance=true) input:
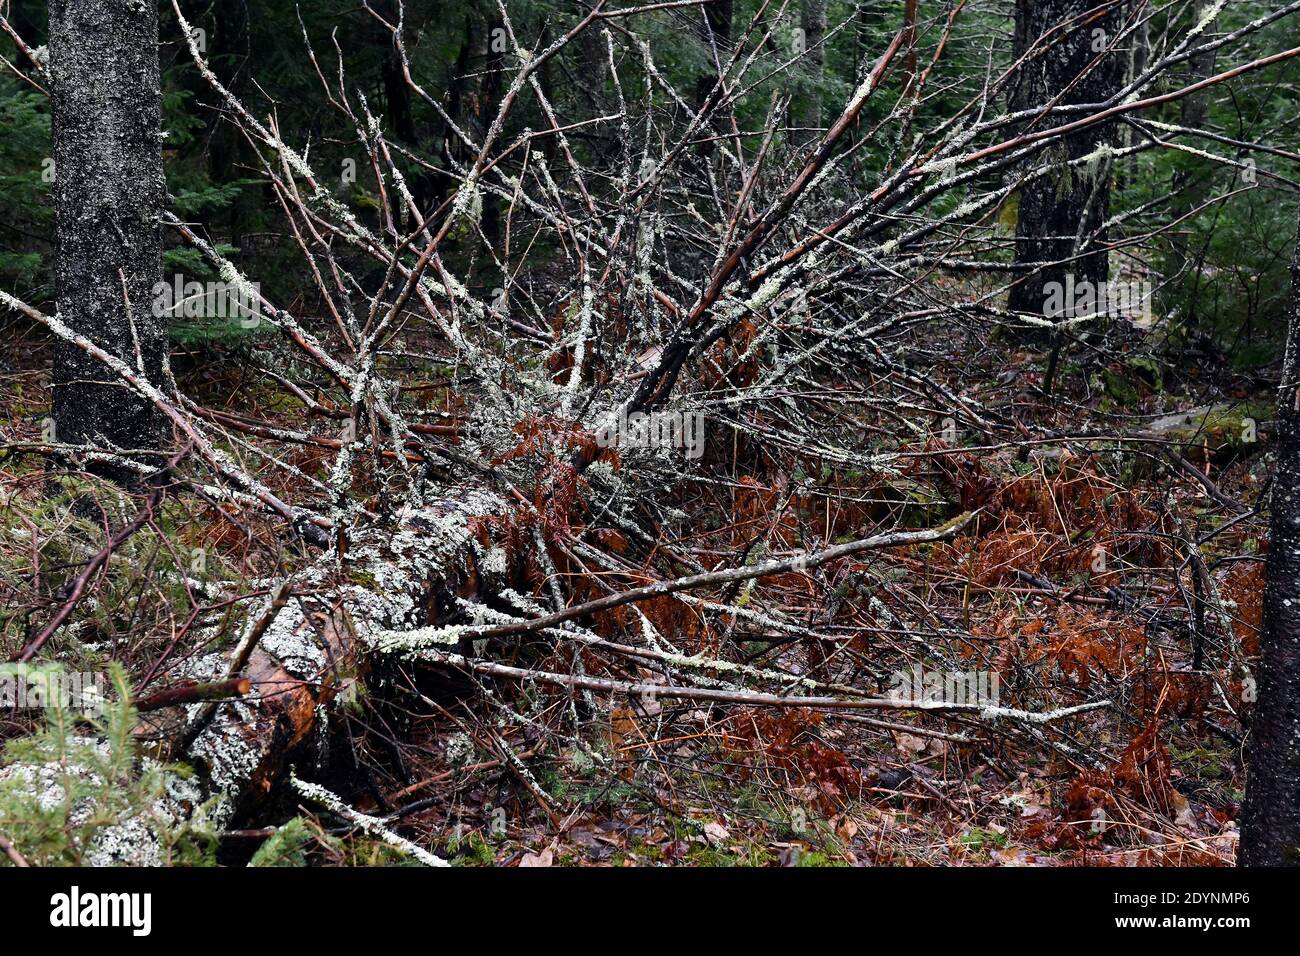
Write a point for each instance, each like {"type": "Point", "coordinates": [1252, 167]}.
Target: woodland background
{"type": "Point", "coordinates": [1089, 507]}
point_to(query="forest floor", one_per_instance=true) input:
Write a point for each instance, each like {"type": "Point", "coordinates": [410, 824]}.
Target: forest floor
{"type": "Point", "coordinates": [1090, 574]}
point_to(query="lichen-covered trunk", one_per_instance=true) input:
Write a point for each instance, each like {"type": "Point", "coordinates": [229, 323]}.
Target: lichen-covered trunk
{"type": "Point", "coordinates": [313, 649]}
{"type": "Point", "coordinates": [109, 192]}
{"type": "Point", "coordinates": [1270, 821]}
{"type": "Point", "coordinates": [1058, 212]}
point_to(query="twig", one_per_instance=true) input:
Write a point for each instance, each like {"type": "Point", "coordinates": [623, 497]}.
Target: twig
{"type": "Point", "coordinates": [753, 698]}
{"type": "Point", "coordinates": [11, 851]}
{"type": "Point", "coordinates": [371, 825]}
{"type": "Point", "coordinates": [194, 692]}
{"type": "Point", "coordinates": [799, 562]}
{"type": "Point", "coordinates": [84, 578]}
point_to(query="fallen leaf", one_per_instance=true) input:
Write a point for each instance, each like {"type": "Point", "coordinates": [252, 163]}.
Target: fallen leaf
{"type": "Point", "coordinates": [910, 743]}
{"type": "Point", "coordinates": [544, 858]}
{"type": "Point", "coordinates": [846, 829]}
{"type": "Point", "coordinates": [1183, 815]}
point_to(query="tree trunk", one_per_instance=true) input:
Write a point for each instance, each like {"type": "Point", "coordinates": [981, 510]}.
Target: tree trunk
{"type": "Point", "coordinates": [909, 45]}
{"type": "Point", "coordinates": [809, 116]}
{"type": "Point", "coordinates": [401, 119]}
{"type": "Point", "coordinates": [26, 18]}
{"type": "Point", "coordinates": [490, 97]}
{"type": "Point", "coordinates": [714, 32]}
{"type": "Point", "coordinates": [109, 191]}
{"type": "Point", "coordinates": [225, 145]}
{"type": "Point", "coordinates": [311, 648]}
{"type": "Point", "coordinates": [1270, 820]}
{"type": "Point", "coordinates": [456, 96]}
{"type": "Point", "coordinates": [1060, 210]}
{"type": "Point", "coordinates": [1194, 109]}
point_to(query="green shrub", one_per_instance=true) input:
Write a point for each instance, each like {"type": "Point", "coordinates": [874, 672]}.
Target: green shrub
{"type": "Point", "coordinates": [78, 794]}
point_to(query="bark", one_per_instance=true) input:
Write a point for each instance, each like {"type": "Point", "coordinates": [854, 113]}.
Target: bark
{"type": "Point", "coordinates": [909, 44]}
{"type": "Point", "coordinates": [548, 145]}
{"type": "Point", "coordinates": [591, 66]}
{"type": "Point", "coordinates": [809, 116]}
{"type": "Point", "coordinates": [313, 649]}
{"type": "Point", "coordinates": [109, 191]}
{"type": "Point", "coordinates": [494, 74]}
{"type": "Point", "coordinates": [1270, 820]}
{"type": "Point", "coordinates": [1059, 211]}
{"type": "Point", "coordinates": [225, 144]}
{"type": "Point", "coordinates": [26, 18]}
{"type": "Point", "coordinates": [457, 92]}
{"type": "Point", "coordinates": [715, 34]}
{"type": "Point", "coordinates": [868, 20]}
{"type": "Point", "coordinates": [400, 114]}
{"type": "Point", "coordinates": [1192, 114]}
{"type": "Point", "coordinates": [1138, 58]}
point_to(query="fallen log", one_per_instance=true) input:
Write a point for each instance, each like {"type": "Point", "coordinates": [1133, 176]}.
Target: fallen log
{"type": "Point", "coordinates": [310, 653]}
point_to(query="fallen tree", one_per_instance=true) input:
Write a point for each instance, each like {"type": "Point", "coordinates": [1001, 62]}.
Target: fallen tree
{"type": "Point", "coordinates": [524, 527]}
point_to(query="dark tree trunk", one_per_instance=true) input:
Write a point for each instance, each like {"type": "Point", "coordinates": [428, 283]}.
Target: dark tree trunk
{"type": "Point", "coordinates": [1059, 211]}
{"type": "Point", "coordinates": [109, 190]}
{"type": "Point", "coordinates": [1270, 820]}
{"type": "Point", "coordinates": [548, 145]}
{"type": "Point", "coordinates": [809, 116]}
{"type": "Point", "coordinates": [909, 45]}
{"type": "Point", "coordinates": [401, 118]}
{"type": "Point", "coordinates": [713, 27]}
{"type": "Point", "coordinates": [398, 96]}
{"type": "Point", "coordinates": [868, 21]}
{"type": "Point", "coordinates": [493, 76]}
{"type": "Point", "coordinates": [456, 95]}
{"type": "Point", "coordinates": [591, 66]}
{"type": "Point", "coordinates": [399, 112]}
{"type": "Point", "coordinates": [1139, 55]}
{"type": "Point", "coordinates": [26, 18]}
{"type": "Point", "coordinates": [1188, 186]}
{"type": "Point", "coordinates": [224, 141]}
{"type": "Point", "coordinates": [715, 32]}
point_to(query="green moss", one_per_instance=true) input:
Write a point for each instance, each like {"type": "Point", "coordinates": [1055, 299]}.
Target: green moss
{"type": "Point", "coordinates": [816, 858]}
{"type": "Point", "coordinates": [363, 578]}
{"type": "Point", "coordinates": [977, 839]}
{"type": "Point", "coordinates": [1221, 428]}
{"type": "Point", "coordinates": [1117, 385]}
{"type": "Point", "coordinates": [474, 851]}
{"type": "Point", "coordinates": [1202, 762]}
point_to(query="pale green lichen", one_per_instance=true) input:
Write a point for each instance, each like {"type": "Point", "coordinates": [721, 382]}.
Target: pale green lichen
{"type": "Point", "coordinates": [371, 825]}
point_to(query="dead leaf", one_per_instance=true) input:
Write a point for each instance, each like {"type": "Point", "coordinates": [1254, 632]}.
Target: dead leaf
{"type": "Point", "coordinates": [545, 858]}
{"type": "Point", "coordinates": [910, 743]}
{"type": "Point", "coordinates": [846, 829]}
{"type": "Point", "coordinates": [1183, 815]}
